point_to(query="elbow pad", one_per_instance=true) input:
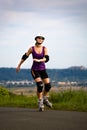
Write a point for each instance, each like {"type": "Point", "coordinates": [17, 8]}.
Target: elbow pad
{"type": "Point", "coordinates": [24, 57]}
{"type": "Point", "coordinates": [47, 58]}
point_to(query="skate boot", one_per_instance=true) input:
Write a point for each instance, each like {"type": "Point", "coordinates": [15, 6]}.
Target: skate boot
{"type": "Point", "coordinates": [41, 105]}
{"type": "Point", "coordinates": [47, 102]}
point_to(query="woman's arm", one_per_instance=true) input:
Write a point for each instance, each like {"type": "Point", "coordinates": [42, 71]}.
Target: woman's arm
{"type": "Point", "coordinates": [46, 56]}
{"type": "Point", "coordinates": [24, 57]}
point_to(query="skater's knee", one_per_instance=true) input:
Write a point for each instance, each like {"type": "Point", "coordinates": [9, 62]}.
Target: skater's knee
{"type": "Point", "coordinates": [47, 87]}
{"type": "Point", "coordinates": [39, 86]}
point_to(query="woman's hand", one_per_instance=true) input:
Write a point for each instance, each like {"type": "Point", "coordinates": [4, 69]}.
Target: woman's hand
{"type": "Point", "coordinates": [36, 60]}
{"type": "Point", "coordinates": [18, 69]}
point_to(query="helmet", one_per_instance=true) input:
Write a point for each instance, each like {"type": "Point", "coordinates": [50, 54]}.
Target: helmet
{"type": "Point", "coordinates": [40, 36]}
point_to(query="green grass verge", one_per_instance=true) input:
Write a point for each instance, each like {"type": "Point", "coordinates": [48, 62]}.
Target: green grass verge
{"type": "Point", "coordinates": [66, 100]}
{"type": "Point", "coordinates": [18, 101]}
{"type": "Point", "coordinates": [70, 100]}
{"type": "Point", "coordinates": [11, 100]}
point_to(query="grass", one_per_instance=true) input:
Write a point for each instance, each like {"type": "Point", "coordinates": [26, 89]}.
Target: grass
{"type": "Point", "coordinates": [18, 101]}
{"type": "Point", "coordinates": [12, 100]}
{"type": "Point", "coordinates": [70, 100]}
{"type": "Point", "coordinates": [65, 100]}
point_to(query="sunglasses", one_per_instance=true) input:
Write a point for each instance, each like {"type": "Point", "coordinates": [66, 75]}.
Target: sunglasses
{"type": "Point", "coordinates": [41, 38]}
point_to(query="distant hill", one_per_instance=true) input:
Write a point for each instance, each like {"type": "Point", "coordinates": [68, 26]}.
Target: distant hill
{"type": "Point", "coordinates": [78, 68]}
{"type": "Point", "coordinates": [69, 74]}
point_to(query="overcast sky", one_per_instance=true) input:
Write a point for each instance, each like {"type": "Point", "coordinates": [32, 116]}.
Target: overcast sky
{"type": "Point", "coordinates": [62, 22]}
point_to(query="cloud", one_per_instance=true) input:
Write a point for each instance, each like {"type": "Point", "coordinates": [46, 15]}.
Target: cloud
{"type": "Point", "coordinates": [47, 8]}
{"type": "Point", "coordinates": [37, 5]}
{"type": "Point", "coordinates": [64, 23]}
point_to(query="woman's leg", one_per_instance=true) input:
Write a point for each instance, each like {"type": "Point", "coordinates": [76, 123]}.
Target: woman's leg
{"type": "Point", "coordinates": [40, 93]}
{"type": "Point", "coordinates": [39, 84]}
{"type": "Point", "coordinates": [47, 87]}
{"type": "Point", "coordinates": [39, 88]}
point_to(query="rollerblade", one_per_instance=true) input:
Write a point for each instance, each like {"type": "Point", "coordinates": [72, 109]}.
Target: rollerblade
{"type": "Point", "coordinates": [47, 102]}
{"type": "Point", "coordinates": [41, 105]}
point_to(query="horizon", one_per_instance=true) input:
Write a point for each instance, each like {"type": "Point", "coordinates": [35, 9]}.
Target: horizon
{"type": "Point", "coordinates": [70, 67]}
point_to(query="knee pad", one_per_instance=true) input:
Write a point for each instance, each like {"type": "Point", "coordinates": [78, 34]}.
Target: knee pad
{"type": "Point", "coordinates": [39, 86]}
{"type": "Point", "coordinates": [47, 87]}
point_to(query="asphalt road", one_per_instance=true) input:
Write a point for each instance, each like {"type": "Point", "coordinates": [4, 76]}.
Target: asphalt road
{"type": "Point", "coordinates": [31, 119]}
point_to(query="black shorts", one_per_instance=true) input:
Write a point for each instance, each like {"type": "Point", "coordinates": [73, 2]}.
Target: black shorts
{"type": "Point", "coordinates": [41, 73]}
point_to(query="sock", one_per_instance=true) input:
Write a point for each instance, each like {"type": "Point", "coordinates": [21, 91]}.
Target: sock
{"type": "Point", "coordinates": [45, 97]}
{"type": "Point", "coordinates": [40, 100]}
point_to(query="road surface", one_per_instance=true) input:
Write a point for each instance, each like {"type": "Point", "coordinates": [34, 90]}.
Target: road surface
{"type": "Point", "coordinates": [31, 119]}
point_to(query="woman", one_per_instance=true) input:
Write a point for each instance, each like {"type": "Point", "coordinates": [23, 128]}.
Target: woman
{"type": "Point", "coordinates": [38, 71]}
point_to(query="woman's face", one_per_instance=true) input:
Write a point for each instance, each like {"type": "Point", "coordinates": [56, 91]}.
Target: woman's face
{"type": "Point", "coordinates": [39, 40]}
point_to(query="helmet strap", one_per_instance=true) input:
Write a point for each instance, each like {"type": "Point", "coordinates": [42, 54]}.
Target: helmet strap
{"type": "Point", "coordinates": [37, 43]}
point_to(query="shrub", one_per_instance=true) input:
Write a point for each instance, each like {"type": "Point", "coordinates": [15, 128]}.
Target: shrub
{"type": "Point", "coordinates": [3, 91]}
